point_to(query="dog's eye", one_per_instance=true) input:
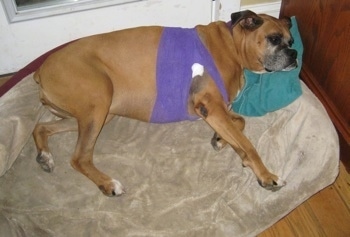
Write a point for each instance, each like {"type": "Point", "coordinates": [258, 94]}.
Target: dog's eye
{"type": "Point", "coordinates": [275, 39]}
{"type": "Point", "coordinates": [291, 42]}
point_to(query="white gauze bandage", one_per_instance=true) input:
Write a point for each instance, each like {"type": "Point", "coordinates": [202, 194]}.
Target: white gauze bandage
{"type": "Point", "coordinates": [197, 70]}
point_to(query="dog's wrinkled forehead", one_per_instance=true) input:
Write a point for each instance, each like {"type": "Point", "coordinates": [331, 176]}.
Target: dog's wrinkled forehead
{"type": "Point", "coordinates": [269, 27]}
{"type": "Point", "coordinates": [276, 31]}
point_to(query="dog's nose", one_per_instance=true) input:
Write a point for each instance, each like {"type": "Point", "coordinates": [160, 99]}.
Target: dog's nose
{"type": "Point", "coordinates": [293, 53]}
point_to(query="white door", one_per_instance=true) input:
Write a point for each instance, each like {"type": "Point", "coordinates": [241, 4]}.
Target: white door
{"type": "Point", "coordinates": [23, 41]}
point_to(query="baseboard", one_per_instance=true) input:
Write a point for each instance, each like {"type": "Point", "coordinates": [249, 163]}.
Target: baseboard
{"type": "Point", "coordinates": [272, 9]}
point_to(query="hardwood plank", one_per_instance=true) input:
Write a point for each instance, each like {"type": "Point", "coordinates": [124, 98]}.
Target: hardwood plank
{"type": "Point", "coordinates": [281, 228]}
{"type": "Point", "coordinates": [304, 222]}
{"type": "Point", "coordinates": [331, 212]}
{"type": "Point", "coordinates": [300, 222]}
{"type": "Point", "coordinates": [342, 185]}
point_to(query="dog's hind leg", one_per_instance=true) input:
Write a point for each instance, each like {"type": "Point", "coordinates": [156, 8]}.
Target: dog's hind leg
{"type": "Point", "coordinates": [41, 133]}
{"type": "Point", "coordinates": [89, 127]}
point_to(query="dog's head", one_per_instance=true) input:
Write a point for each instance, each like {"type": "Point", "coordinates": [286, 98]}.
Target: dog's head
{"type": "Point", "coordinates": [265, 40]}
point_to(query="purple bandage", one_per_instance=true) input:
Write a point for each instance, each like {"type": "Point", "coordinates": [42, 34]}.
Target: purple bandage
{"type": "Point", "coordinates": [178, 50]}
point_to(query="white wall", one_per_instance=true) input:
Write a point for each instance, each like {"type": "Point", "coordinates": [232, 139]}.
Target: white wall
{"type": "Point", "coordinates": [22, 42]}
{"type": "Point", "coordinates": [253, 2]}
{"type": "Point", "coordinates": [270, 7]}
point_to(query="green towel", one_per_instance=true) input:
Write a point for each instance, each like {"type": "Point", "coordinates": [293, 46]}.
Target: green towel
{"type": "Point", "coordinates": [267, 92]}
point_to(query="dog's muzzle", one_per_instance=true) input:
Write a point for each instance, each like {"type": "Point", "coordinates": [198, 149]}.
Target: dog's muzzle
{"type": "Point", "coordinates": [283, 60]}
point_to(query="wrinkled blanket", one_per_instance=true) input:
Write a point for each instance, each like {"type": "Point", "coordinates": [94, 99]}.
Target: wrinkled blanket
{"type": "Point", "coordinates": [177, 185]}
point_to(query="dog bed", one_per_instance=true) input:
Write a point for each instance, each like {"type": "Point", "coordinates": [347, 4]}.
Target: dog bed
{"type": "Point", "coordinates": [176, 183]}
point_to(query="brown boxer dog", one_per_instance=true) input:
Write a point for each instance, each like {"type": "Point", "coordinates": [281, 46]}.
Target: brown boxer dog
{"type": "Point", "coordinates": [92, 79]}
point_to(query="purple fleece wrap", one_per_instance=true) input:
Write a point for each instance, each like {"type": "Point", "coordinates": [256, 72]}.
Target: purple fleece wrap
{"type": "Point", "coordinates": [178, 50]}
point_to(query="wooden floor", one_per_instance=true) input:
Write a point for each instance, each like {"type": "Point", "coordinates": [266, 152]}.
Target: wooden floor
{"type": "Point", "coordinates": [327, 213]}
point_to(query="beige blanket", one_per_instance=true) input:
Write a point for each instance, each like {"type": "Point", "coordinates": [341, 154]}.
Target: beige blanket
{"type": "Point", "coordinates": [177, 185]}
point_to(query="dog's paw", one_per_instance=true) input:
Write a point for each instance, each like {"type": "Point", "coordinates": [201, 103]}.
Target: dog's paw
{"type": "Point", "coordinates": [217, 142]}
{"type": "Point", "coordinates": [45, 161]}
{"type": "Point", "coordinates": [112, 188]}
{"type": "Point", "coordinates": [272, 183]}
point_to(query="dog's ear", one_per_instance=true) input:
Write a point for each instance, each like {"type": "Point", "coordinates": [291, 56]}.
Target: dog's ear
{"type": "Point", "coordinates": [247, 19]}
{"type": "Point", "coordinates": [287, 21]}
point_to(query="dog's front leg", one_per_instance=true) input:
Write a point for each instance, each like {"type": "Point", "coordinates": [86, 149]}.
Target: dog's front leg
{"type": "Point", "coordinates": [208, 103]}
{"type": "Point", "coordinates": [218, 118]}
{"type": "Point", "coordinates": [238, 121]}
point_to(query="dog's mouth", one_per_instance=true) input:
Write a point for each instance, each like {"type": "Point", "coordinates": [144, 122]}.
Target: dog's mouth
{"type": "Point", "coordinates": [288, 68]}
{"type": "Point", "coordinates": [291, 66]}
